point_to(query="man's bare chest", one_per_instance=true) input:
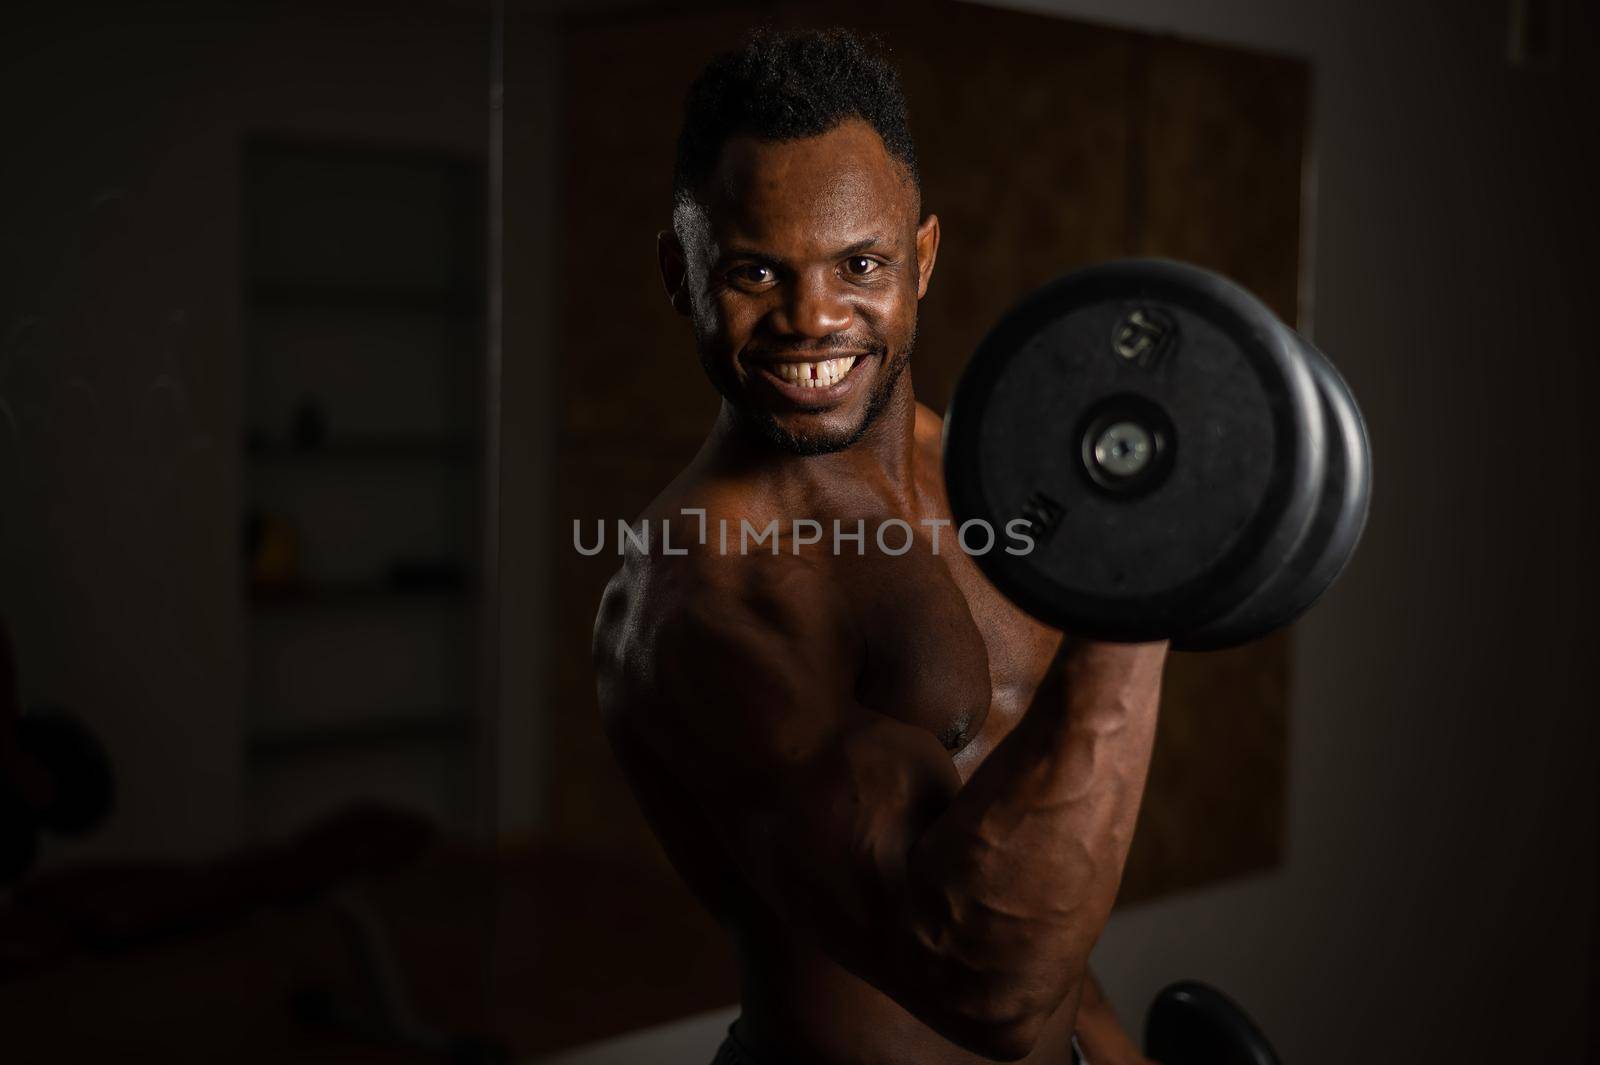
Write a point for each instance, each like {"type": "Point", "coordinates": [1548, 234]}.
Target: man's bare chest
{"type": "Point", "coordinates": [941, 649]}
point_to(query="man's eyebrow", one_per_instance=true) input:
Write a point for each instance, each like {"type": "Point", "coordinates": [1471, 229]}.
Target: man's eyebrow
{"type": "Point", "coordinates": [740, 251]}
{"type": "Point", "coordinates": [859, 246]}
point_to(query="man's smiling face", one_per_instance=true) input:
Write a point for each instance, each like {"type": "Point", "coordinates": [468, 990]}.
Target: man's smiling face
{"type": "Point", "coordinates": [800, 264]}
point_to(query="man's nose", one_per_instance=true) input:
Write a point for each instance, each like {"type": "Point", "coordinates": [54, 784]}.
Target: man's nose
{"type": "Point", "coordinates": [815, 309]}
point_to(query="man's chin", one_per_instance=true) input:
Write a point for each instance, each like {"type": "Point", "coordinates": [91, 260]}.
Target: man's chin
{"type": "Point", "coordinates": [811, 434]}
{"type": "Point", "coordinates": [824, 432]}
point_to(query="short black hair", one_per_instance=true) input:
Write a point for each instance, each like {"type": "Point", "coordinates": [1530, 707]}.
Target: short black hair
{"type": "Point", "coordinates": [785, 86]}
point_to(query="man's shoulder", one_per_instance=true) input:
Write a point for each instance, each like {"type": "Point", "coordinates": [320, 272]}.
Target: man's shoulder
{"type": "Point", "coordinates": [929, 430]}
{"type": "Point", "coordinates": [703, 571]}
{"type": "Point", "coordinates": [706, 568]}
{"type": "Point", "coordinates": [704, 634]}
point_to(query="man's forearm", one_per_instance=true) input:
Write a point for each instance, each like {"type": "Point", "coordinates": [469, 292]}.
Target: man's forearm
{"type": "Point", "coordinates": [1016, 877]}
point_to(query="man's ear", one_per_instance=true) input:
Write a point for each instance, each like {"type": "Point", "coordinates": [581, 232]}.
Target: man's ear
{"type": "Point", "coordinates": [674, 270]}
{"type": "Point", "coordinates": [927, 252]}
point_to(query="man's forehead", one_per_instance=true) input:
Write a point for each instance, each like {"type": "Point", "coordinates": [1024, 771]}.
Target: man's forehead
{"type": "Point", "coordinates": [828, 190]}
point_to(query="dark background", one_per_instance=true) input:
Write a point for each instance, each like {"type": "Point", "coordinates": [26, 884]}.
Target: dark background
{"type": "Point", "coordinates": [1431, 892]}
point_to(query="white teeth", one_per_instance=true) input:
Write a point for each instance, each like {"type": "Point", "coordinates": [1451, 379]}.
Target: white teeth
{"type": "Point", "coordinates": [815, 374]}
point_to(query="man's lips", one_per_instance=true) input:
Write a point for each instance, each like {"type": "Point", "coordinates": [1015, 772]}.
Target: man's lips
{"type": "Point", "coordinates": [776, 378]}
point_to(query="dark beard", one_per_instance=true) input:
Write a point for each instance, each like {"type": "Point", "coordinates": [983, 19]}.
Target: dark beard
{"type": "Point", "coordinates": [760, 423]}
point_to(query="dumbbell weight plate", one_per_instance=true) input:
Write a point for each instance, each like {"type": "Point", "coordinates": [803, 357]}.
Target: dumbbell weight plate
{"type": "Point", "coordinates": [1156, 430]}
{"type": "Point", "coordinates": [1335, 531]}
{"type": "Point", "coordinates": [77, 765]}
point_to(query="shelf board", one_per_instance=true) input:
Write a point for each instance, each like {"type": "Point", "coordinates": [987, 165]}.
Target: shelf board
{"type": "Point", "coordinates": [355, 594]}
{"type": "Point", "coordinates": [358, 737]}
{"type": "Point", "coordinates": [365, 296]}
{"type": "Point", "coordinates": [374, 448]}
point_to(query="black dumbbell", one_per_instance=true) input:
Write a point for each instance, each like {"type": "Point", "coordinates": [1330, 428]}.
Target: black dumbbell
{"type": "Point", "coordinates": [1191, 1023]}
{"type": "Point", "coordinates": [1187, 467]}
{"type": "Point", "coordinates": [19, 836]}
{"type": "Point", "coordinates": [72, 759]}
{"type": "Point", "coordinates": [55, 776]}
{"type": "Point", "coordinates": [19, 828]}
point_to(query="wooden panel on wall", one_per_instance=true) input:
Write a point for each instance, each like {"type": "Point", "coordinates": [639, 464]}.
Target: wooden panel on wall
{"type": "Point", "coordinates": [1045, 144]}
{"type": "Point", "coordinates": [628, 367]}
{"type": "Point", "coordinates": [1216, 173]}
{"type": "Point", "coordinates": [634, 403]}
{"type": "Point", "coordinates": [1022, 133]}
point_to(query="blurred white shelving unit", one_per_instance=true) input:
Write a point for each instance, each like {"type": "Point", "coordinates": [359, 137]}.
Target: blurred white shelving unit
{"type": "Point", "coordinates": [364, 309]}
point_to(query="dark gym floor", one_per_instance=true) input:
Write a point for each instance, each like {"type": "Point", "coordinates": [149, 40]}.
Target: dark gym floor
{"type": "Point", "coordinates": [542, 948]}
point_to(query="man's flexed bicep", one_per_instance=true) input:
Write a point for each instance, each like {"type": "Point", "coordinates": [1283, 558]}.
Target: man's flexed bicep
{"type": "Point", "coordinates": [973, 906]}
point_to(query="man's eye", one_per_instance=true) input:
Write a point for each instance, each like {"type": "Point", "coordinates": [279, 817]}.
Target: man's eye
{"type": "Point", "coordinates": [860, 264]}
{"type": "Point", "coordinates": [753, 274]}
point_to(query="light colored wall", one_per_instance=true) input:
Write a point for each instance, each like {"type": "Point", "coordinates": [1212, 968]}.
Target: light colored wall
{"type": "Point", "coordinates": [1439, 892]}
